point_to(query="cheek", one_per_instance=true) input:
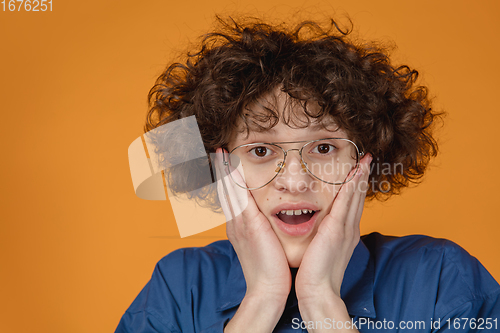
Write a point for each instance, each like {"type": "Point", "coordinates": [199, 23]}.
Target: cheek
{"type": "Point", "coordinates": [262, 199]}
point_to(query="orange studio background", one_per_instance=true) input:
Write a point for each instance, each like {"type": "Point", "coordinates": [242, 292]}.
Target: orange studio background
{"type": "Point", "coordinates": [77, 245]}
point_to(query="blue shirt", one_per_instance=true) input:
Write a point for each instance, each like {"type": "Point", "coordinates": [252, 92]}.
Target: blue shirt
{"type": "Point", "coordinates": [392, 284]}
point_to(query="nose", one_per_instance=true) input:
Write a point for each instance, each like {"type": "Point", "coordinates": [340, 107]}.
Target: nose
{"type": "Point", "coordinates": [293, 176]}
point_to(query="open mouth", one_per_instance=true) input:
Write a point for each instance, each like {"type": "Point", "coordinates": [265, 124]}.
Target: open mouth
{"type": "Point", "coordinates": [296, 216]}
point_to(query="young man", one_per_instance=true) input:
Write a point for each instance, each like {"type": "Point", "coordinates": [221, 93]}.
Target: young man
{"type": "Point", "coordinates": [305, 125]}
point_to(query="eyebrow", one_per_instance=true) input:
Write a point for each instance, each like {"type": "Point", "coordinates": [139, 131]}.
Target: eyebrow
{"type": "Point", "coordinates": [313, 127]}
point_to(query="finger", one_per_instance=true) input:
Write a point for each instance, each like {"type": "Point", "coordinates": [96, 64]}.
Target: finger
{"type": "Point", "coordinates": [364, 184]}
{"type": "Point", "coordinates": [223, 187]}
{"type": "Point", "coordinates": [227, 192]}
{"type": "Point", "coordinates": [361, 186]}
{"type": "Point", "coordinates": [340, 207]}
{"type": "Point", "coordinates": [234, 178]}
{"type": "Point", "coordinates": [354, 216]}
{"type": "Point", "coordinates": [349, 221]}
{"type": "Point", "coordinates": [241, 199]}
{"type": "Point", "coordinates": [348, 201]}
{"type": "Point", "coordinates": [342, 202]}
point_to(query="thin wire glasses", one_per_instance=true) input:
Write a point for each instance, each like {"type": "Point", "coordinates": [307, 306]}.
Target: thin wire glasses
{"type": "Point", "coordinates": [329, 160]}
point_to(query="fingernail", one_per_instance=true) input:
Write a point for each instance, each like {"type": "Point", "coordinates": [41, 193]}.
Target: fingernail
{"type": "Point", "coordinates": [219, 153]}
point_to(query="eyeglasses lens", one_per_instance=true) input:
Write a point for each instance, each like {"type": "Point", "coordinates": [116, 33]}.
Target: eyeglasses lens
{"type": "Point", "coordinates": [328, 160]}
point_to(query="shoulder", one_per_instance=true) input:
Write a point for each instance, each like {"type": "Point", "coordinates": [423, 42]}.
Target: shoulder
{"type": "Point", "coordinates": [377, 242]}
{"type": "Point", "coordinates": [219, 250]}
{"type": "Point", "coordinates": [424, 252]}
{"type": "Point", "coordinates": [183, 282]}
{"type": "Point", "coordinates": [177, 274]}
{"type": "Point", "coordinates": [437, 267]}
{"type": "Point", "coordinates": [184, 276]}
{"type": "Point", "coordinates": [184, 264]}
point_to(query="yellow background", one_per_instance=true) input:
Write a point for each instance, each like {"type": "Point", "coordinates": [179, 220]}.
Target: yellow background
{"type": "Point", "coordinates": [77, 245]}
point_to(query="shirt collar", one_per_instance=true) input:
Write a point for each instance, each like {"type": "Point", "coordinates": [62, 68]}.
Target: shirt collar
{"type": "Point", "coordinates": [356, 289]}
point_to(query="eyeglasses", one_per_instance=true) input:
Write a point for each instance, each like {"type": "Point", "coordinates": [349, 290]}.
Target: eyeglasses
{"type": "Point", "coordinates": [329, 160]}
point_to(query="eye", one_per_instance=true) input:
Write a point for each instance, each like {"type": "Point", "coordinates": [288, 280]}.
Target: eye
{"type": "Point", "coordinates": [261, 151]}
{"type": "Point", "coordinates": [323, 148]}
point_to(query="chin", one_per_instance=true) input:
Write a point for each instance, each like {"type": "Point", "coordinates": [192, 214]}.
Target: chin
{"type": "Point", "coordinates": [294, 246]}
{"type": "Point", "coordinates": [294, 254]}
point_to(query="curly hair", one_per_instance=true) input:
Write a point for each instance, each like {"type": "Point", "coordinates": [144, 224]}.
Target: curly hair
{"type": "Point", "coordinates": [378, 105]}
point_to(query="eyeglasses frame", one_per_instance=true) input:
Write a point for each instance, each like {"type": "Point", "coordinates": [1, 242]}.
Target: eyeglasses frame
{"type": "Point", "coordinates": [281, 165]}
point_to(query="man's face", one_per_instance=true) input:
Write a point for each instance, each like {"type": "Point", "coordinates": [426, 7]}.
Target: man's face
{"type": "Point", "coordinates": [294, 202]}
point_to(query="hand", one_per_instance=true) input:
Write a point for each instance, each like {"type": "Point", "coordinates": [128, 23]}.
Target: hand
{"type": "Point", "coordinates": [261, 255]}
{"type": "Point", "coordinates": [323, 265]}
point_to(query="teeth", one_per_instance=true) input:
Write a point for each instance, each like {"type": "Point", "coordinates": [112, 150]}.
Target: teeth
{"type": "Point", "coordinates": [296, 211]}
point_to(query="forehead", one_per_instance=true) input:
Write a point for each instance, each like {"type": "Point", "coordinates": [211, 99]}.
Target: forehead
{"type": "Point", "coordinates": [276, 116]}
{"type": "Point", "coordinates": [281, 106]}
